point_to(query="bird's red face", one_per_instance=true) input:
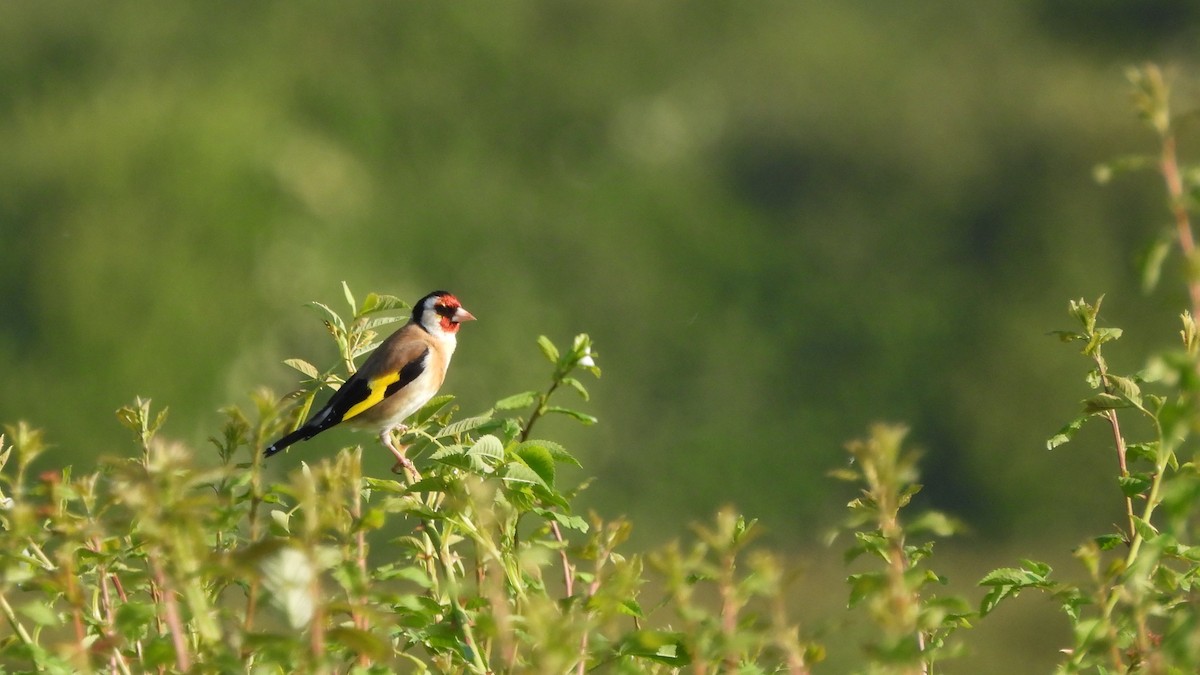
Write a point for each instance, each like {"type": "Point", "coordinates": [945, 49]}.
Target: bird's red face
{"type": "Point", "coordinates": [451, 313]}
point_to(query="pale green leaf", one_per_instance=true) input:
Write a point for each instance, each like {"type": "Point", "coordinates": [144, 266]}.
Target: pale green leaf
{"type": "Point", "coordinates": [522, 400]}
{"type": "Point", "coordinates": [583, 418]}
{"type": "Point", "coordinates": [1068, 432]}
{"type": "Point", "coordinates": [487, 446]}
{"type": "Point", "coordinates": [331, 316]}
{"type": "Point", "coordinates": [304, 367]}
{"type": "Point", "coordinates": [548, 349]}
{"type": "Point", "coordinates": [465, 425]}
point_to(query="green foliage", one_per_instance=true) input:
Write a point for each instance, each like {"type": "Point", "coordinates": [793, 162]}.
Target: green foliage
{"type": "Point", "coordinates": [174, 561]}
{"type": "Point", "coordinates": [819, 184]}
{"type": "Point", "coordinates": [914, 624]}
{"type": "Point", "coordinates": [1136, 610]}
{"type": "Point", "coordinates": [169, 562]}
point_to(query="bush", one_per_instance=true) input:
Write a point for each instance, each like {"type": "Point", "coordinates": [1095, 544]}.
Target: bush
{"type": "Point", "coordinates": [171, 562]}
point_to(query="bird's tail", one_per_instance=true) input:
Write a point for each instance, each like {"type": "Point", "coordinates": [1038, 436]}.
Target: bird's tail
{"type": "Point", "coordinates": [300, 434]}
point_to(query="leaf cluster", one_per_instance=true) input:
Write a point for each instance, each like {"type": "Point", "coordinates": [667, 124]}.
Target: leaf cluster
{"type": "Point", "coordinates": [170, 561]}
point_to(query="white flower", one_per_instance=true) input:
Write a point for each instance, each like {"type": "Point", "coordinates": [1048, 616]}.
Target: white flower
{"type": "Point", "coordinates": [288, 575]}
{"type": "Point", "coordinates": [586, 360]}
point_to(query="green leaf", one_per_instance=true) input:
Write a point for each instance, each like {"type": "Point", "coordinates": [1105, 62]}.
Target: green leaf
{"type": "Point", "coordinates": [584, 418]}
{"type": "Point", "coordinates": [488, 447]}
{"type": "Point", "coordinates": [446, 451]}
{"type": "Point", "coordinates": [379, 321]}
{"type": "Point", "coordinates": [994, 596]}
{"type": "Point", "coordinates": [538, 459]}
{"type": "Point", "coordinates": [578, 387]}
{"type": "Point", "coordinates": [280, 523]}
{"type": "Point", "coordinates": [1085, 313]}
{"type": "Point", "coordinates": [1041, 569]}
{"type": "Point", "coordinates": [557, 452]}
{"type": "Point", "coordinates": [1012, 576]}
{"type": "Point", "coordinates": [1144, 529]}
{"type": "Point", "coordinates": [1068, 335]}
{"type": "Point", "coordinates": [863, 586]}
{"type": "Point", "coordinates": [405, 572]}
{"type": "Point", "coordinates": [1068, 432]}
{"type": "Point", "coordinates": [516, 472]}
{"type": "Point", "coordinates": [1010, 581]}
{"type": "Point", "coordinates": [632, 608]}
{"type": "Point", "coordinates": [331, 315]}
{"type": "Point", "coordinates": [548, 349]}
{"type": "Point", "coordinates": [360, 641]}
{"type": "Point", "coordinates": [158, 651]}
{"type": "Point", "coordinates": [935, 522]}
{"type": "Point", "coordinates": [568, 521]}
{"type": "Point", "coordinates": [1108, 542]}
{"type": "Point", "coordinates": [384, 485]}
{"type": "Point", "coordinates": [349, 297]}
{"type": "Point", "coordinates": [372, 519]}
{"type": "Point", "coordinates": [522, 400]}
{"type": "Point", "coordinates": [133, 618]}
{"type": "Point", "coordinates": [40, 613]}
{"type": "Point", "coordinates": [1103, 402]}
{"type": "Point", "coordinates": [381, 303]}
{"type": "Point", "coordinates": [1144, 451]}
{"type": "Point", "coordinates": [1151, 261]}
{"type": "Point", "coordinates": [1136, 483]}
{"type": "Point", "coordinates": [304, 367]}
{"type": "Point", "coordinates": [661, 646]}
{"type": "Point", "coordinates": [1126, 388]}
{"type": "Point", "coordinates": [465, 425]}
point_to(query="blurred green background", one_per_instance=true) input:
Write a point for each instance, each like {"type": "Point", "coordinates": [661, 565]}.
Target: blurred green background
{"type": "Point", "coordinates": [780, 221]}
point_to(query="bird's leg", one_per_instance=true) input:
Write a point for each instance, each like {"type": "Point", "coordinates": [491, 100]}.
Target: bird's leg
{"type": "Point", "coordinates": [402, 461]}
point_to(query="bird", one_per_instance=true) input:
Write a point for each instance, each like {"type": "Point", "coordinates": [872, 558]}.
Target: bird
{"type": "Point", "coordinates": [396, 380]}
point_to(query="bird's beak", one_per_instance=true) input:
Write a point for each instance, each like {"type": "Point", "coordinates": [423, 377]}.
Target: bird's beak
{"type": "Point", "coordinates": [461, 315]}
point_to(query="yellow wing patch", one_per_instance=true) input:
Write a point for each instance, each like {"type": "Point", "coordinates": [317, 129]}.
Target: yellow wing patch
{"type": "Point", "coordinates": [378, 387]}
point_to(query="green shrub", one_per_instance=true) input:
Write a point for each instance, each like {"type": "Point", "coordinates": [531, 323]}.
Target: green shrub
{"type": "Point", "coordinates": [181, 560]}
{"type": "Point", "coordinates": [166, 561]}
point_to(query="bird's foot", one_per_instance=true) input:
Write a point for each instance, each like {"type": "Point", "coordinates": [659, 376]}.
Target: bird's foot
{"type": "Point", "coordinates": [403, 463]}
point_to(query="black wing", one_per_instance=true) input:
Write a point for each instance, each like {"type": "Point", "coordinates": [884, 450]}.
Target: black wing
{"type": "Point", "coordinates": [357, 395]}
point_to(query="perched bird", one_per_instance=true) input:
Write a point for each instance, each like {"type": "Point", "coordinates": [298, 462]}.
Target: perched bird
{"type": "Point", "coordinates": [399, 377]}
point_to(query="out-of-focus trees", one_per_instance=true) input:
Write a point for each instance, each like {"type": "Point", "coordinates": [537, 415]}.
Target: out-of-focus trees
{"type": "Point", "coordinates": [779, 222]}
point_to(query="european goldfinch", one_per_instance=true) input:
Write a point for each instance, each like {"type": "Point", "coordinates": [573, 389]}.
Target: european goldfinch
{"type": "Point", "coordinates": [399, 377]}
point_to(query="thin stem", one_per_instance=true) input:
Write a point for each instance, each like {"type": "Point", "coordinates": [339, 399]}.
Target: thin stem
{"type": "Point", "coordinates": [1169, 166]}
{"type": "Point", "coordinates": [568, 570]}
{"type": "Point", "coordinates": [137, 645]}
{"type": "Point", "coordinates": [16, 623]}
{"type": "Point", "coordinates": [360, 553]}
{"type": "Point", "coordinates": [729, 610]}
{"type": "Point", "coordinates": [543, 400]}
{"type": "Point", "coordinates": [183, 658]}
{"type": "Point", "coordinates": [445, 562]}
{"type": "Point", "coordinates": [1114, 425]}
{"type": "Point", "coordinates": [1119, 440]}
{"type": "Point", "coordinates": [317, 626]}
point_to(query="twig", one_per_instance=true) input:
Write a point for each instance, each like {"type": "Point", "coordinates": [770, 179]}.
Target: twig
{"type": "Point", "coordinates": [543, 400]}
{"type": "Point", "coordinates": [183, 658]}
{"type": "Point", "coordinates": [568, 571]}
{"type": "Point", "coordinates": [360, 554]}
{"type": "Point", "coordinates": [1169, 165]}
{"type": "Point", "coordinates": [14, 622]}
